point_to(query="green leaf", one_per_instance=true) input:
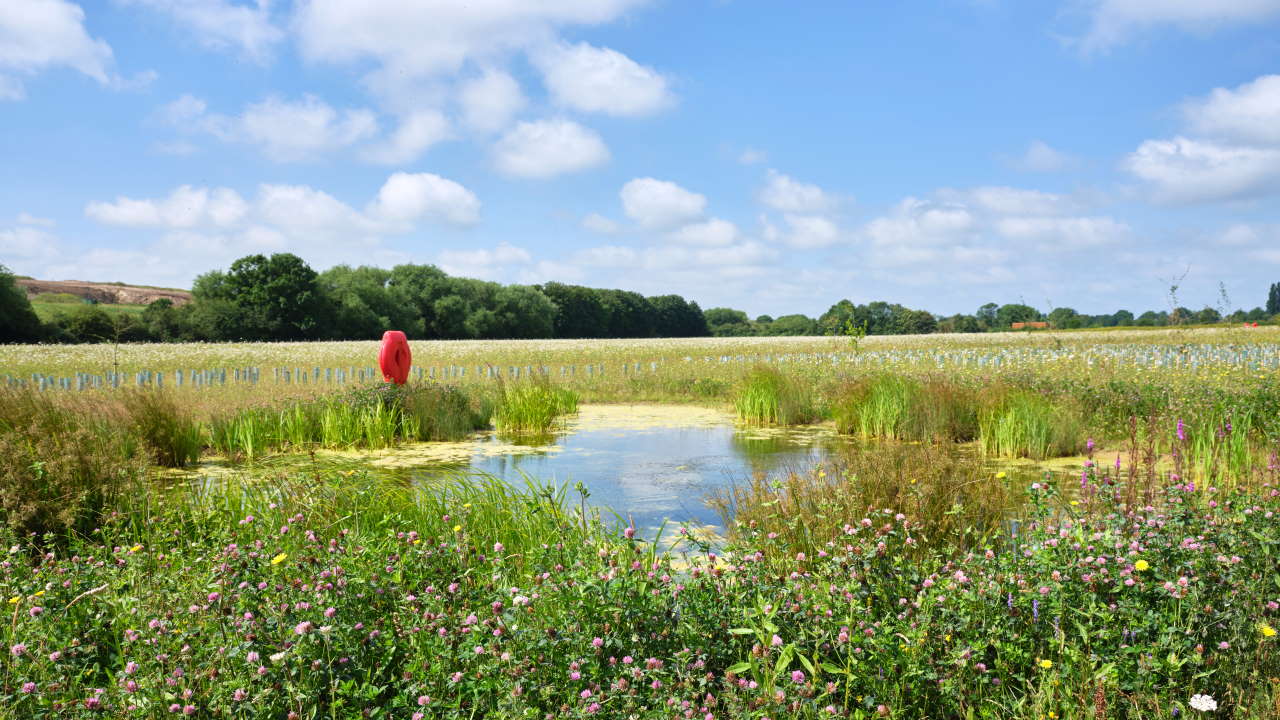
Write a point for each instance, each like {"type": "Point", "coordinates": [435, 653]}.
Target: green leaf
{"type": "Point", "coordinates": [740, 668]}
{"type": "Point", "coordinates": [741, 631]}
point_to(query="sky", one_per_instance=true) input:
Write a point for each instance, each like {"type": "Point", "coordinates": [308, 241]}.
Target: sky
{"type": "Point", "coordinates": [772, 157]}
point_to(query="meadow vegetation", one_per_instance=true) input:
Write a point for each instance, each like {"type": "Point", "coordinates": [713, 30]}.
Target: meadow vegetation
{"type": "Point", "coordinates": [909, 576]}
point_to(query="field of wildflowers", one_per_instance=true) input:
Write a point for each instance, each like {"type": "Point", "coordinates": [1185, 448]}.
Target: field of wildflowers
{"type": "Point", "coordinates": [336, 596]}
{"type": "Point", "coordinates": [908, 578]}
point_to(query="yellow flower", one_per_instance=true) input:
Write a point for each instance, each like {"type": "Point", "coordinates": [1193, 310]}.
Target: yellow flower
{"type": "Point", "coordinates": [1046, 664]}
{"type": "Point", "coordinates": [1075, 502]}
{"type": "Point", "coordinates": [457, 528]}
{"type": "Point", "coordinates": [1266, 630]}
{"type": "Point", "coordinates": [15, 599]}
{"type": "Point", "coordinates": [135, 548]}
{"type": "Point", "coordinates": [1141, 565]}
{"type": "Point", "coordinates": [40, 593]}
{"type": "Point", "coordinates": [279, 559]}
{"type": "Point", "coordinates": [466, 505]}
{"type": "Point", "coordinates": [418, 541]}
{"type": "Point", "coordinates": [1000, 475]}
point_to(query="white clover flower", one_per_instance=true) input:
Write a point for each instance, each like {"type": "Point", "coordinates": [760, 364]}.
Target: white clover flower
{"type": "Point", "coordinates": [1203, 703]}
{"type": "Point", "coordinates": [277, 658]}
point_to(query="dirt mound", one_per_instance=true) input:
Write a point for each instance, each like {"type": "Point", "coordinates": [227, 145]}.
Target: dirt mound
{"type": "Point", "coordinates": [108, 293]}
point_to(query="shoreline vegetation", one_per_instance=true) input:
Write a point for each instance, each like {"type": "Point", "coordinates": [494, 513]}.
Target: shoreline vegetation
{"type": "Point", "coordinates": [906, 576]}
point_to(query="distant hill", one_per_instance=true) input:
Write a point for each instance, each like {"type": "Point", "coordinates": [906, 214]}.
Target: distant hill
{"type": "Point", "coordinates": [105, 293]}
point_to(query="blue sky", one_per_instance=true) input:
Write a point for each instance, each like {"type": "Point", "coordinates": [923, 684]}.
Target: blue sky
{"type": "Point", "coordinates": [766, 156]}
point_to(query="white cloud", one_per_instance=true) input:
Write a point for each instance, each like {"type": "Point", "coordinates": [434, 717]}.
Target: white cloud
{"type": "Point", "coordinates": [547, 148]}
{"type": "Point", "coordinates": [200, 228]}
{"type": "Point", "coordinates": [490, 101]}
{"type": "Point", "coordinates": [811, 231]}
{"type": "Point", "coordinates": [1009, 200]}
{"type": "Point", "coordinates": [407, 198]}
{"type": "Point", "coordinates": [1249, 114]}
{"type": "Point", "coordinates": [1184, 170]}
{"type": "Point", "coordinates": [417, 132]}
{"type": "Point", "coordinates": [38, 35]}
{"type": "Point", "coordinates": [752, 156]}
{"type": "Point", "coordinates": [220, 24]}
{"type": "Point", "coordinates": [186, 207]}
{"type": "Point", "coordinates": [592, 79]}
{"type": "Point", "coordinates": [483, 263]}
{"type": "Point", "coordinates": [1114, 21]}
{"type": "Point", "coordinates": [710, 233]}
{"type": "Point", "coordinates": [292, 131]}
{"type": "Point", "coordinates": [28, 219]}
{"type": "Point", "coordinates": [787, 194]}
{"type": "Point", "coordinates": [411, 40]}
{"type": "Point", "coordinates": [660, 204]}
{"type": "Point", "coordinates": [286, 131]}
{"type": "Point", "coordinates": [26, 249]}
{"type": "Point", "coordinates": [1065, 233]}
{"type": "Point", "coordinates": [597, 223]}
{"type": "Point", "coordinates": [1040, 157]}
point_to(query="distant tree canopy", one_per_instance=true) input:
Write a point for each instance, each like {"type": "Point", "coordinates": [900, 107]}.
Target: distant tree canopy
{"type": "Point", "coordinates": [18, 322]}
{"type": "Point", "coordinates": [279, 297]}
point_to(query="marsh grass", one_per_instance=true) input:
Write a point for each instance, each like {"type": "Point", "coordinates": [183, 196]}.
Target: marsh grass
{"type": "Point", "coordinates": [533, 407]}
{"type": "Point", "coordinates": [898, 407]}
{"type": "Point", "coordinates": [373, 417]}
{"type": "Point", "coordinates": [62, 463]}
{"type": "Point", "coordinates": [768, 397]}
{"type": "Point", "coordinates": [953, 498]}
{"type": "Point", "coordinates": [165, 426]}
{"type": "Point", "coordinates": [1020, 423]}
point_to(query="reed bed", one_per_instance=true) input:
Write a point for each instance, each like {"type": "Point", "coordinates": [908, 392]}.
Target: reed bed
{"type": "Point", "coordinates": [768, 397]}
{"type": "Point", "coordinates": [532, 407]}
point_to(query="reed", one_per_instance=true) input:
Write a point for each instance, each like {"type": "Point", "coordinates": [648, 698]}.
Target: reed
{"type": "Point", "coordinates": [898, 407]}
{"type": "Point", "coordinates": [1020, 423]}
{"type": "Point", "coordinates": [767, 397]}
{"type": "Point", "coordinates": [533, 407]}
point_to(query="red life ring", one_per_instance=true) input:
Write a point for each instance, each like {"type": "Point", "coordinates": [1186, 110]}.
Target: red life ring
{"type": "Point", "coordinates": [395, 357]}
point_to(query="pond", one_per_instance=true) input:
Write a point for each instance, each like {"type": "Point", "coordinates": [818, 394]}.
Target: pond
{"type": "Point", "coordinates": [649, 463]}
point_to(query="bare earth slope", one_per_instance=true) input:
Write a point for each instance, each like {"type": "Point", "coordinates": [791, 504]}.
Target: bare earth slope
{"type": "Point", "coordinates": [109, 293]}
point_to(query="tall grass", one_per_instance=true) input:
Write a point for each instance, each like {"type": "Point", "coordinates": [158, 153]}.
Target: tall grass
{"type": "Point", "coordinates": [533, 407]}
{"type": "Point", "coordinates": [954, 500]}
{"type": "Point", "coordinates": [902, 408]}
{"type": "Point", "coordinates": [375, 417]}
{"type": "Point", "coordinates": [767, 397]}
{"type": "Point", "coordinates": [1020, 423]}
{"type": "Point", "coordinates": [168, 429]}
{"type": "Point", "coordinates": [63, 463]}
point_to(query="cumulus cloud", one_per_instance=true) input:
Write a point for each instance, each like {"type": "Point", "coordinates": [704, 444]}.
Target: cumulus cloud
{"type": "Point", "coordinates": [409, 41]}
{"type": "Point", "coordinates": [186, 207]}
{"type": "Point", "coordinates": [411, 197]}
{"type": "Point", "coordinates": [40, 35]}
{"type": "Point", "coordinates": [1231, 151]}
{"type": "Point", "coordinates": [483, 263]}
{"type": "Point", "coordinates": [591, 79]}
{"type": "Point", "coordinates": [490, 101]}
{"type": "Point", "coordinates": [547, 148]}
{"type": "Point", "coordinates": [1111, 22]}
{"type": "Point", "coordinates": [29, 219]}
{"type": "Point", "coordinates": [978, 231]}
{"type": "Point", "coordinates": [710, 233]}
{"type": "Point", "coordinates": [1184, 170]}
{"type": "Point", "coordinates": [808, 232]}
{"type": "Point", "coordinates": [752, 156]}
{"type": "Point", "coordinates": [1249, 114]}
{"type": "Point", "coordinates": [416, 133]}
{"type": "Point", "coordinates": [208, 227]}
{"type": "Point", "coordinates": [285, 130]}
{"type": "Point", "coordinates": [784, 193]}
{"type": "Point", "coordinates": [660, 204]}
{"type": "Point", "coordinates": [220, 24]}
{"type": "Point", "coordinates": [1040, 157]}
{"type": "Point", "coordinates": [600, 224]}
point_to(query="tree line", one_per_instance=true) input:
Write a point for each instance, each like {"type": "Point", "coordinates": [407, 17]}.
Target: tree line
{"type": "Point", "coordinates": [280, 297]}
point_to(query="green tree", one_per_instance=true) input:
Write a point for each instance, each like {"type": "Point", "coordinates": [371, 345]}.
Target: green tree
{"type": "Point", "coordinates": [794, 325]}
{"type": "Point", "coordinates": [271, 298]}
{"type": "Point", "coordinates": [1065, 318]}
{"type": "Point", "coordinates": [18, 321]}
{"type": "Point", "coordinates": [1007, 315]}
{"type": "Point", "coordinates": [1120, 318]}
{"type": "Point", "coordinates": [579, 311]}
{"type": "Point", "coordinates": [1273, 299]}
{"type": "Point", "coordinates": [367, 304]}
{"type": "Point", "coordinates": [630, 315]}
{"type": "Point", "coordinates": [676, 317]}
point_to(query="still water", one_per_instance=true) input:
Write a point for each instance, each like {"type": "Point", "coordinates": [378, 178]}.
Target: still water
{"type": "Point", "coordinates": [649, 463]}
